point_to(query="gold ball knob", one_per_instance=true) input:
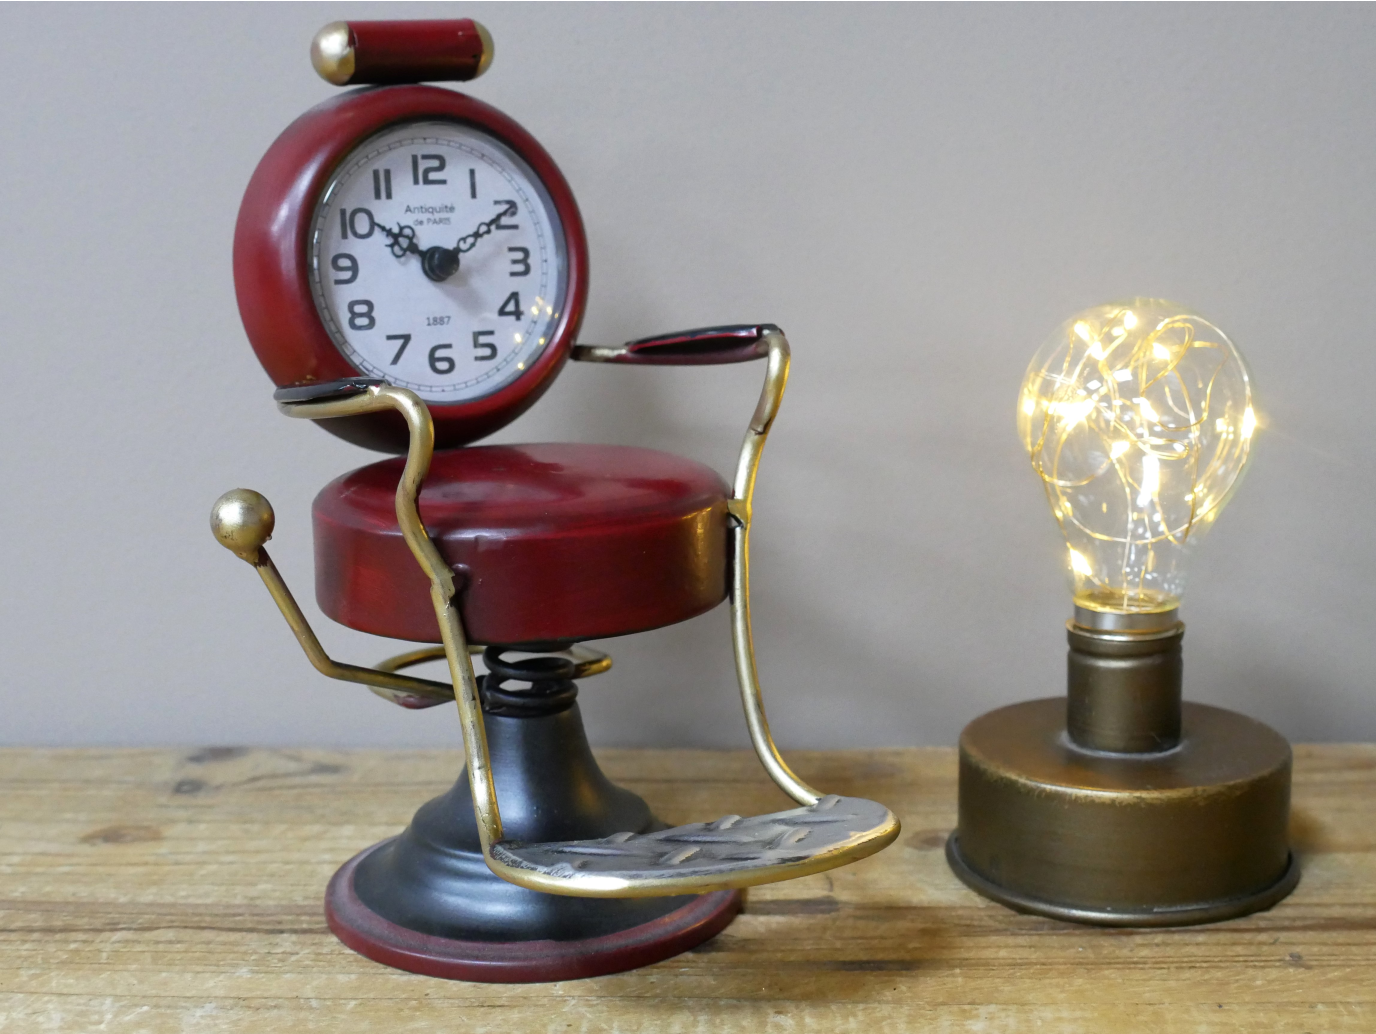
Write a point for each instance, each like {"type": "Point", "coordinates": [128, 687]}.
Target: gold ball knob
{"type": "Point", "coordinates": [332, 53]}
{"type": "Point", "coordinates": [242, 521]}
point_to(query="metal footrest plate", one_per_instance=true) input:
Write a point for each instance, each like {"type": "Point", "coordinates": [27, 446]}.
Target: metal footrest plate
{"type": "Point", "coordinates": [729, 852]}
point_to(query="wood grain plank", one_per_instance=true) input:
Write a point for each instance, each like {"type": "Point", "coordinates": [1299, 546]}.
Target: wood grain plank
{"type": "Point", "coordinates": [158, 891]}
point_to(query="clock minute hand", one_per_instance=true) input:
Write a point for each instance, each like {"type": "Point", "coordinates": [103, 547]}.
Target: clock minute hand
{"type": "Point", "coordinates": [469, 241]}
{"type": "Point", "coordinates": [442, 263]}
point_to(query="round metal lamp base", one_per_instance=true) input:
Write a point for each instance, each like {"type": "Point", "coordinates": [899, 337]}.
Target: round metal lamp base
{"type": "Point", "coordinates": [1196, 834]}
{"type": "Point", "coordinates": [1186, 915]}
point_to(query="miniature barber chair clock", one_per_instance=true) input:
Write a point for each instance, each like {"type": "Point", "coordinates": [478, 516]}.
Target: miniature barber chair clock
{"type": "Point", "coordinates": [411, 271]}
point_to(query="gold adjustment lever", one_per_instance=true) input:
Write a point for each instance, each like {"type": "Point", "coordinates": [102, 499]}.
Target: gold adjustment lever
{"type": "Point", "coordinates": [242, 520]}
{"type": "Point", "coordinates": [826, 831]}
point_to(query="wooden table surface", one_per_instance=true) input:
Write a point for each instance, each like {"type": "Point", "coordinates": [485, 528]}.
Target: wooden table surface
{"type": "Point", "coordinates": [158, 891]}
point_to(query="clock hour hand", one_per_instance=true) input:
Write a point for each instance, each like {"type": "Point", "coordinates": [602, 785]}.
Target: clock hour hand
{"type": "Point", "coordinates": [436, 263]}
{"type": "Point", "coordinates": [402, 240]}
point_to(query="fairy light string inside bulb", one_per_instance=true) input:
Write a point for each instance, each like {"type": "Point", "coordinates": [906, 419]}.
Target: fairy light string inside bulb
{"type": "Point", "coordinates": [1138, 418]}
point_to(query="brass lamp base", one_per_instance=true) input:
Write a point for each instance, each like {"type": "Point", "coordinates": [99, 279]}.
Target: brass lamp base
{"type": "Point", "coordinates": [1193, 834]}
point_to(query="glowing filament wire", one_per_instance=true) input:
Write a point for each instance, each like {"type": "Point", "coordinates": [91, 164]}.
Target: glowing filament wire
{"type": "Point", "coordinates": [1138, 418]}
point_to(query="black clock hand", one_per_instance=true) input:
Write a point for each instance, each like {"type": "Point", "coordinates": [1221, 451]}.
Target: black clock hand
{"type": "Point", "coordinates": [437, 263]}
{"type": "Point", "coordinates": [440, 264]}
{"type": "Point", "coordinates": [402, 240]}
{"type": "Point", "coordinates": [469, 241]}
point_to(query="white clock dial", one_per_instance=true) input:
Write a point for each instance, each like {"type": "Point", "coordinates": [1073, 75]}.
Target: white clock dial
{"type": "Point", "coordinates": [438, 261]}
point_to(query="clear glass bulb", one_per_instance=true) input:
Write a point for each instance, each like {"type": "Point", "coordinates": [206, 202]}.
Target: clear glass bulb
{"type": "Point", "coordinates": [1138, 418]}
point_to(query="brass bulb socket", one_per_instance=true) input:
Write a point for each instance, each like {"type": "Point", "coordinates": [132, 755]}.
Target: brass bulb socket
{"type": "Point", "coordinates": [1123, 689]}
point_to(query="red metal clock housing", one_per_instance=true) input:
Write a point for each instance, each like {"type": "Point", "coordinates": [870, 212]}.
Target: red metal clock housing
{"type": "Point", "coordinates": [272, 261]}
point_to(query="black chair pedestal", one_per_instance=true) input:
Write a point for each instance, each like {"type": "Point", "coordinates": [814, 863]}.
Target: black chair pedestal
{"type": "Point", "coordinates": [426, 902]}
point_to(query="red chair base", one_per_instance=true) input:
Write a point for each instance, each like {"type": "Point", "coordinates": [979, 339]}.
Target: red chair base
{"type": "Point", "coordinates": [520, 962]}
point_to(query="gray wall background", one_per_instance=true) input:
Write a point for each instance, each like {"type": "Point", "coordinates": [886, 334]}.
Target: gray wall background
{"type": "Point", "coordinates": [917, 194]}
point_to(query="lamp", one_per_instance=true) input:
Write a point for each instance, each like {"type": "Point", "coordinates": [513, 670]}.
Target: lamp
{"type": "Point", "coordinates": [1119, 804]}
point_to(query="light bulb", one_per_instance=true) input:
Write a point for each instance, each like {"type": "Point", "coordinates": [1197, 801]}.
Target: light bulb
{"type": "Point", "coordinates": [1138, 418]}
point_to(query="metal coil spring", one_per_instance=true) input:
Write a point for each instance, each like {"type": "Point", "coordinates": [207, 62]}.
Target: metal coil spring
{"type": "Point", "coordinates": [551, 678]}
{"type": "Point", "coordinates": [551, 687]}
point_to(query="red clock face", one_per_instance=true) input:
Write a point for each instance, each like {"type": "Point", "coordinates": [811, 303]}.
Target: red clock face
{"type": "Point", "coordinates": [413, 234]}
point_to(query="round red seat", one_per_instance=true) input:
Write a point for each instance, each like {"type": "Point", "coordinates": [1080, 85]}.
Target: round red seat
{"type": "Point", "coordinates": [549, 543]}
